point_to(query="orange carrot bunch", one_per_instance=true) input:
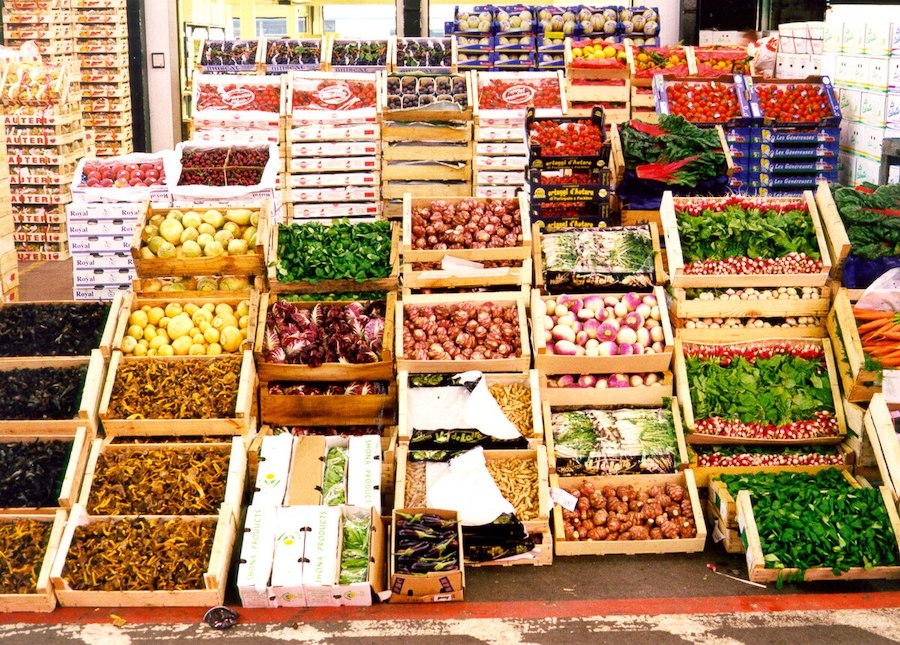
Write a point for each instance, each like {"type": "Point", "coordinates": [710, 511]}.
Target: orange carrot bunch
{"type": "Point", "coordinates": [879, 332]}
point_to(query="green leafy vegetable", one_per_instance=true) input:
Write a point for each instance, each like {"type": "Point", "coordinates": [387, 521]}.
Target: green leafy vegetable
{"type": "Point", "coordinates": [333, 480]}
{"type": "Point", "coordinates": [355, 550]}
{"type": "Point", "coordinates": [872, 220]}
{"type": "Point", "coordinates": [312, 251]}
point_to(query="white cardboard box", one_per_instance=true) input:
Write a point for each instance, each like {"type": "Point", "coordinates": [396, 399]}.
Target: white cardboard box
{"type": "Point", "coordinates": [286, 589]}
{"type": "Point", "coordinates": [882, 37]}
{"type": "Point", "coordinates": [257, 555]}
{"type": "Point", "coordinates": [853, 37]}
{"type": "Point", "coordinates": [274, 466]}
{"type": "Point", "coordinates": [850, 100]}
{"type": "Point", "coordinates": [364, 471]}
{"type": "Point", "coordinates": [321, 552]}
{"type": "Point", "coordinates": [867, 170]}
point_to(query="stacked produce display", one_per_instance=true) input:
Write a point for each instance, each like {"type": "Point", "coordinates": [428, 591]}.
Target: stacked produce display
{"type": "Point", "coordinates": [426, 132]}
{"type": "Point", "coordinates": [597, 73]}
{"type": "Point", "coordinates": [333, 146]}
{"type": "Point", "coordinates": [101, 45]}
{"type": "Point", "coordinates": [9, 261]}
{"type": "Point", "coordinates": [45, 140]}
{"type": "Point", "coordinates": [501, 156]}
{"type": "Point", "coordinates": [646, 61]}
{"type": "Point", "coordinates": [51, 30]}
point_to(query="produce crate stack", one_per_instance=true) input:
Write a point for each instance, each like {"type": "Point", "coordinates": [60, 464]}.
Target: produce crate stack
{"type": "Point", "coordinates": [101, 44]}
{"type": "Point", "coordinates": [800, 49]}
{"type": "Point", "coordinates": [48, 26]}
{"type": "Point", "coordinates": [646, 61]}
{"type": "Point", "coordinates": [9, 261]}
{"type": "Point", "coordinates": [597, 74]}
{"type": "Point", "coordinates": [473, 34]}
{"type": "Point", "coordinates": [426, 55]}
{"type": "Point", "coordinates": [515, 38]}
{"type": "Point", "coordinates": [232, 108]}
{"type": "Point", "coordinates": [859, 56]}
{"type": "Point", "coordinates": [501, 99]}
{"type": "Point", "coordinates": [709, 103]}
{"type": "Point", "coordinates": [283, 55]}
{"type": "Point", "coordinates": [45, 140]}
{"type": "Point", "coordinates": [797, 146]}
{"type": "Point", "coordinates": [108, 198]}
{"type": "Point", "coordinates": [333, 146]}
{"type": "Point", "coordinates": [426, 134]}
{"type": "Point", "coordinates": [553, 32]}
{"type": "Point", "coordinates": [344, 55]}
{"type": "Point", "coordinates": [569, 177]}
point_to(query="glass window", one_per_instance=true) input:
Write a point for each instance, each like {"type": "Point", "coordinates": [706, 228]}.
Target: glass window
{"type": "Point", "coordinates": [438, 14]}
{"type": "Point", "coordinates": [235, 29]}
{"type": "Point", "coordinates": [365, 21]}
{"type": "Point", "coordinates": [301, 25]}
{"type": "Point", "coordinates": [271, 27]}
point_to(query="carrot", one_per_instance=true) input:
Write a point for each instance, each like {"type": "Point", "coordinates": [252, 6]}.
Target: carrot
{"type": "Point", "coordinates": [885, 362]}
{"type": "Point", "coordinates": [881, 349]}
{"type": "Point", "coordinates": [871, 314]}
{"type": "Point", "coordinates": [873, 325]}
{"type": "Point", "coordinates": [892, 335]}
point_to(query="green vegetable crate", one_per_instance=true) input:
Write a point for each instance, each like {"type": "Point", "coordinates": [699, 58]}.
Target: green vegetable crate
{"type": "Point", "coordinates": [685, 479]}
{"type": "Point", "coordinates": [681, 276]}
{"type": "Point", "coordinates": [43, 598]}
{"type": "Point", "coordinates": [860, 377]}
{"type": "Point", "coordinates": [72, 472]}
{"type": "Point", "coordinates": [351, 256]}
{"type": "Point", "coordinates": [835, 231]}
{"type": "Point", "coordinates": [757, 558]}
{"type": "Point", "coordinates": [885, 443]}
{"type": "Point", "coordinates": [686, 395]}
{"type": "Point", "coordinates": [85, 414]}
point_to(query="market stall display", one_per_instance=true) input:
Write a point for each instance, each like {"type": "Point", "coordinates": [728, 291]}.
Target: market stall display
{"type": "Point", "coordinates": [43, 471]}
{"type": "Point", "coordinates": [597, 74]}
{"type": "Point", "coordinates": [334, 148]}
{"type": "Point", "coordinates": [646, 61]}
{"type": "Point", "coordinates": [30, 544]}
{"type": "Point", "coordinates": [284, 55]}
{"type": "Point", "coordinates": [427, 55]}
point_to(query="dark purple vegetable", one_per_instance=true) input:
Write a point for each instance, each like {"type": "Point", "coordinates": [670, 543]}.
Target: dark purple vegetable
{"type": "Point", "coordinates": [51, 329]}
{"type": "Point", "coordinates": [32, 472]}
{"type": "Point", "coordinates": [41, 393]}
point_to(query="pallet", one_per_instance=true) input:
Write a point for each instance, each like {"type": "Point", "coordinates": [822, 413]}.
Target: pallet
{"type": "Point", "coordinates": [756, 558]}
{"type": "Point", "coordinates": [529, 379]}
{"type": "Point", "coordinates": [424, 366]}
{"type": "Point", "coordinates": [382, 370]}
{"type": "Point", "coordinates": [215, 578]}
{"type": "Point", "coordinates": [685, 478]}
{"type": "Point", "coordinates": [858, 381]}
{"type": "Point", "coordinates": [683, 389]}
{"type": "Point", "coordinates": [239, 424]}
{"type": "Point", "coordinates": [548, 363]}
{"type": "Point", "coordinates": [675, 255]}
{"type": "Point", "coordinates": [43, 599]}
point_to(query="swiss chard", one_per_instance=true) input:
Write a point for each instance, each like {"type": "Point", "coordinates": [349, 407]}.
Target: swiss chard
{"type": "Point", "coordinates": [872, 220]}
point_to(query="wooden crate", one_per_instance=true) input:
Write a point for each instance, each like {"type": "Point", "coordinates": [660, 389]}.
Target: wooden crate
{"type": "Point", "coordinates": [738, 334]}
{"type": "Point", "coordinates": [530, 380]}
{"type": "Point", "coordinates": [547, 363]}
{"type": "Point", "coordinates": [140, 289]}
{"type": "Point", "coordinates": [420, 113]}
{"type": "Point", "coordinates": [860, 379]}
{"type": "Point", "coordinates": [237, 467]}
{"type": "Point", "coordinates": [107, 335]}
{"type": "Point", "coordinates": [835, 232]}
{"type": "Point", "coordinates": [328, 410]}
{"type": "Point", "coordinates": [725, 503]}
{"type": "Point", "coordinates": [683, 389]}
{"type": "Point", "coordinates": [537, 251]}
{"type": "Point", "coordinates": [506, 365]}
{"type": "Point", "coordinates": [87, 407]}
{"type": "Point", "coordinates": [410, 254]}
{"type": "Point", "coordinates": [548, 409]}
{"type": "Point", "coordinates": [74, 469]}
{"type": "Point", "coordinates": [599, 92]}
{"type": "Point", "coordinates": [239, 424]}
{"type": "Point", "coordinates": [382, 370]}
{"type": "Point", "coordinates": [133, 302]}
{"type": "Point", "coordinates": [398, 189]}
{"type": "Point", "coordinates": [250, 264]}
{"type": "Point", "coordinates": [729, 538]}
{"type": "Point", "coordinates": [630, 547]}
{"type": "Point", "coordinates": [676, 257]}
{"type": "Point", "coordinates": [756, 558]}
{"type": "Point", "coordinates": [418, 150]}
{"type": "Point", "coordinates": [542, 554]}
{"type": "Point", "coordinates": [400, 131]}
{"type": "Point", "coordinates": [592, 73]}
{"type": "Point", "coordinates": [537, 455]}
{"type": "Point", "coordinates": [643, 396]}
{"type": "Point", "coordinates": [704, 474]}
{"type": "Point", "coordinates": [43, 599]}
{"type": "Point", "coordinates": [215, 578]}
{"type": "Point", "coordinates": [427, 171]}
{"type": "Point", "coordinates": [389, 283]}
{"type": "Point", "coordinates": [885, 443]}
{"type": "Point", "coordinates": [682, 307]}
{"type": "Point", "coordinates": [441, 279]}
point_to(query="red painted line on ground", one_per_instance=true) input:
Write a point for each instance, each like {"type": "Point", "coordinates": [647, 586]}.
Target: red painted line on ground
{"type": "Point", "coordinates": [529, 609]}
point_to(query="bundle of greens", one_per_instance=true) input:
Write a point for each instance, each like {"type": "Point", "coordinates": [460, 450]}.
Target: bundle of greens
{"type": "Point", "coordinates": [333, 492]}
{"type": "Point", "coordinates": [872, 219]}
{"type": "Point", "coordinates": [603, 257]}
{"type": "Point", "coordinates": [355, 550]}
{"type": "Point", "coordinates": [676, 152]}
{"type": "Point", "coordinates": [614, 442]}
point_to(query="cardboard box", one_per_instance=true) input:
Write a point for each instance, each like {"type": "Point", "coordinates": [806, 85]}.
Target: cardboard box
{"type": "Point", "coordinates": [853, 37]}
{"type": "Point", "coordinates": [364, 471]}
{"type": "Point", "coordinates": [437, 586]}
{"type": "Point", "coordinates": [286, 589]}
{"type": "Point", "coordinates": [362, 477]}
{"type": "Point", "coordinates": [321, 552]}
{"type": "Point", "coordinates": [360, 593]}
{"type": "Point", "coordinates": [274, 468]}
{"type": "Point", "coordinates": [881, 38]}
{"type": "Point", "coordinates": [257, 555]}
{"type": "Point", "coordinates": [850, 100]}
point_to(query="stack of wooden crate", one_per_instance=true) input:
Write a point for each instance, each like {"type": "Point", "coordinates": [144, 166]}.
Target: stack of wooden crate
{"type": "Point", "coordinates": [589, 85]}
{"type": "Point", "coordinates": [427, 144]}
{"type": "Point", "coordinates": [101, 30]}
{"type": "Point", "coordinates": [9, 262]}
{"type": "Point", "coordinates": [46, 26]}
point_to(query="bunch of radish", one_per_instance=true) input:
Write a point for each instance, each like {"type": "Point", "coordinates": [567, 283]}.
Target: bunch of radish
{"type": "Point", "coordinates": [596, 325]}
